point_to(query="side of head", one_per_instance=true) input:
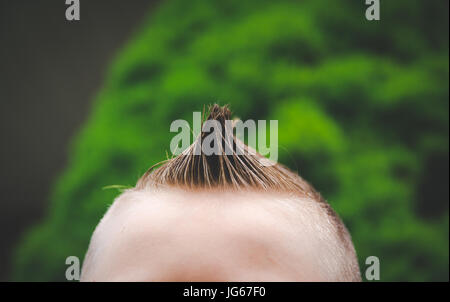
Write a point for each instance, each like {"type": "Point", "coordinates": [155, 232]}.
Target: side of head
{"type": "Point", "coordinates": [223, 217]}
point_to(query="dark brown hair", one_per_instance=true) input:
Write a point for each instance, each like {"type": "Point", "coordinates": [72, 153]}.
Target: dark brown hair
{"type": "Point", "coordinates": [239, 170]}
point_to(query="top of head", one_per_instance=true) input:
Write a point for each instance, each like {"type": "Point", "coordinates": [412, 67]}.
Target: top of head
{"type": "Point", "coordinates": [221, 217]}
{"type": "Point", "coordinates": [240, 168]}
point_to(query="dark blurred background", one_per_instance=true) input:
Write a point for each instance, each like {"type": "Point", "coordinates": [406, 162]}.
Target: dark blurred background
{"type": "Point", "coordinates": [50, 70]}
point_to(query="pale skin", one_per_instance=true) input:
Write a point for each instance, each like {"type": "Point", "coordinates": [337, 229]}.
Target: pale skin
{"type": "Point", "coordinates": [170, 234]}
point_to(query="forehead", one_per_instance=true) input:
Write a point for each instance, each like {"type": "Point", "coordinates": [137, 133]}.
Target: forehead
{"type": "Point", "coordinates": [174, 235]}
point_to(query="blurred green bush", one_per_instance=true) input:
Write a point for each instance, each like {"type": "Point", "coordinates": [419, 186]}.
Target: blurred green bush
{"type": "Point", "coordinates": [362, 109]}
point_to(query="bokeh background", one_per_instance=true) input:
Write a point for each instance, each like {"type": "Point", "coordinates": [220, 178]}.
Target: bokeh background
{"type": "Point", "coordinates": [362, 109]}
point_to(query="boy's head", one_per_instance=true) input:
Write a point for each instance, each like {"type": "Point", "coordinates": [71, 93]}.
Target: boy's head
{"type": "Point", "coordinates": [220, 217]}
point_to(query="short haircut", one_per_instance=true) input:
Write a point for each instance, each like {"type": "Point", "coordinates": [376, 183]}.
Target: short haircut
{"type": "Point", "coordinates": [243, 171]}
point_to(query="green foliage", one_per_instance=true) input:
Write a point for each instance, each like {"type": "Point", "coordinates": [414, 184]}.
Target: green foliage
{"type": "Point", "coordinates": [362, 109]}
